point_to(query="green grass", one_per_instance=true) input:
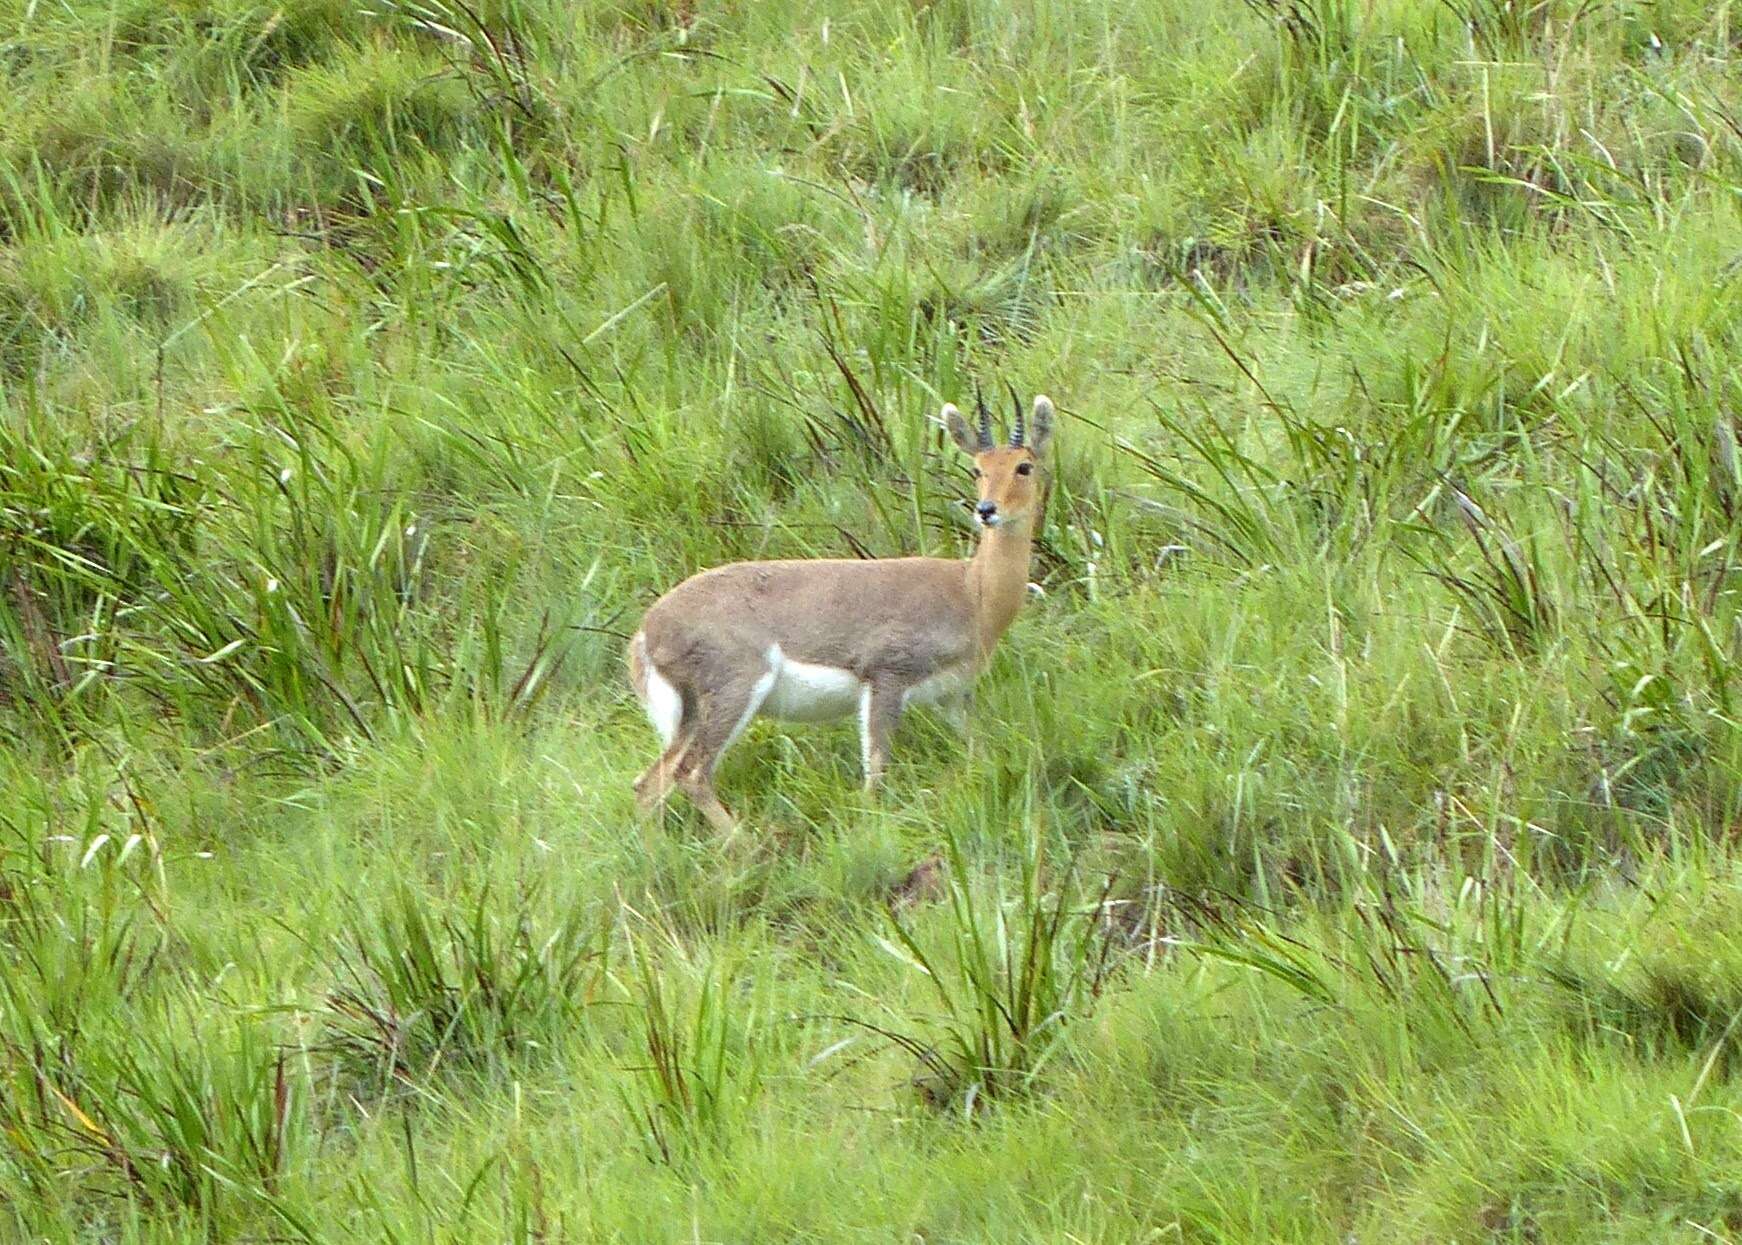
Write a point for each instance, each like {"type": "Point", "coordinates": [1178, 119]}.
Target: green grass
{"type": "Point", "coordinates": [1345, 848]}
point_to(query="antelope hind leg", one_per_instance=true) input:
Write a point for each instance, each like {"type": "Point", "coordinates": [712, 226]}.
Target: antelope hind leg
{"type": "Point", "coordinates": [720, 718]}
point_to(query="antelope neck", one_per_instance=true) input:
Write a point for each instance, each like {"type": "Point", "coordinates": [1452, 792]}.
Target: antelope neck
{"type": "Point", "coordinates": [998, 578]}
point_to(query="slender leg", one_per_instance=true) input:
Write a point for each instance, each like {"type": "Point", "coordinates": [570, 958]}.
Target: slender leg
{"type": "Point", "coordinates": [656, 781]}
{"type": "Point", "coordinates": [700, 789]}
{"type": "Point", "coordinates": [721, 716]}
{"type": "Point", "coordinates": [879, 712]}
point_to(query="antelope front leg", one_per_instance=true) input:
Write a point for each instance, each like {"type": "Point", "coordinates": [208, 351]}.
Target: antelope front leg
{"type": "Point", "coordinates": [879, 711]}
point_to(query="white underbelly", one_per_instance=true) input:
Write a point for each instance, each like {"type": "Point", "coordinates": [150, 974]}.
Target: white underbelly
{"type": "Point", "coordinates": [804, 692]}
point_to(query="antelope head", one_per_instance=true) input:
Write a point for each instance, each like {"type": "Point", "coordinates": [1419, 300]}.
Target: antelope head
{"type": "Point", "coordinates": [1006, 477]}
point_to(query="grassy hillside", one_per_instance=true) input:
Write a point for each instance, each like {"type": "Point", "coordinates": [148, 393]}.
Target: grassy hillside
{"type": "Point", "coordinates": [1345, 846]}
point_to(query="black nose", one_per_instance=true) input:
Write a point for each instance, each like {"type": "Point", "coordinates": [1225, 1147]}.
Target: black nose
{"type": "Point", "coordinates": [987, 509]}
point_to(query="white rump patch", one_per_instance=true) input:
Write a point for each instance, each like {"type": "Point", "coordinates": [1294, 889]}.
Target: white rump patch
{"type": "Point", "coordinates": [805, 692]}
{"type": "Point", "coordinates": [661, 700]}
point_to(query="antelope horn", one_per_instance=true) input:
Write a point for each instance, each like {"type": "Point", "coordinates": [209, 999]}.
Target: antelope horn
{"type": "Point", "coordinates": [985, 420]}
{"type": "Point", "coordinates": [1018, 432]}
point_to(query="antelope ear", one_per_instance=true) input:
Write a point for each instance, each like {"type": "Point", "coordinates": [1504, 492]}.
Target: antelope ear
{"type": "Point", "coordinates": [1040, 424]}
{"type": "Point", "coordinates": [958, 430]}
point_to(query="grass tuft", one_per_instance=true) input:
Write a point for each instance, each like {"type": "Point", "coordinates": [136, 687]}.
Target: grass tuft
{"type": "Point", "coordinates": [1011, 974]}
{"type": "Point", "coordinates": [419, 990]}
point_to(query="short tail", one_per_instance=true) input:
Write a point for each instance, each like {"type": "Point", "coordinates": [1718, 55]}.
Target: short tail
{"type": "Point", "coordinates": [638, 665]}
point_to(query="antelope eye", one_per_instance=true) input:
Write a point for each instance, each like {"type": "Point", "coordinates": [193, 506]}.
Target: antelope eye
{"type": "Point", "coordinates": [1023, 469]}
{"type": "Point", "coordinates": [974, 472]}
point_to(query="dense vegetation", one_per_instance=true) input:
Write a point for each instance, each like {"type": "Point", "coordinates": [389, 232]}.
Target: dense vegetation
{"type": "Point", "coordinates": [1345, 845]}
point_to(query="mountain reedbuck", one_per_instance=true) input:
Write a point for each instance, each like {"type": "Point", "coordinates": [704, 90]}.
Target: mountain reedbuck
{"type": "Point", "coordinates": [820, 639]}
